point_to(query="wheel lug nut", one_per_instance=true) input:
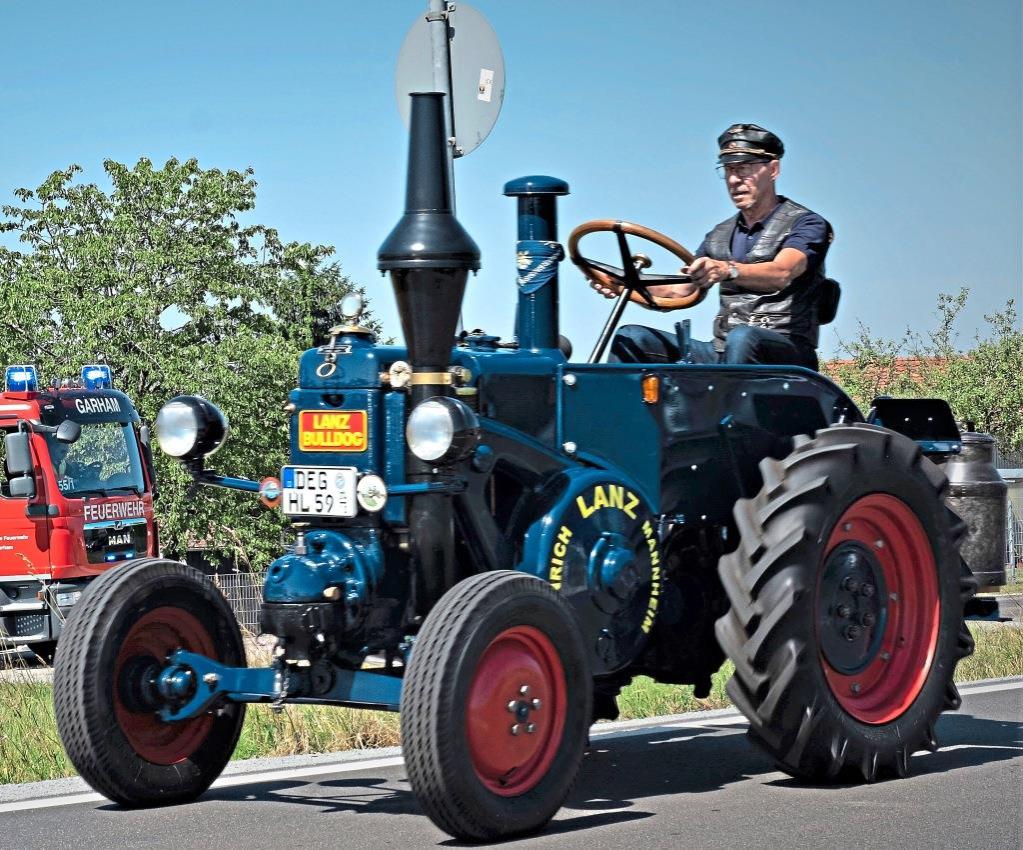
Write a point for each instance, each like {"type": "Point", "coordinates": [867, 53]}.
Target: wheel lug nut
{"type": "Point", "coordinates": [851, 583]}
{"type": "Point", "coordinates": [879, 544]}
{"type": "Point", "coordinates": [537, 704]}
{"type": "Point", "coordinates": [515, 729]}
{"type": "Point", "coordinates": [531, 728]}
{"type": "Point", "coordinates": [856, 687]}
{"type": "Point", "coordinates": [867, 590]}
{"type": "Point", "coordinates": [843, 611]}
{"type": "Point", "coordinates": [868, 619]}
{"type": "Point", "coordinates": [894, 597]}
{"type": "Point", "coordinates": [512, 706]}
{"type": "Point", "coordinates": [524, 690]}
{"type": "Point", "coordinates": [886, 656]}
{"type": "Point", "coordinates": [852, 632]}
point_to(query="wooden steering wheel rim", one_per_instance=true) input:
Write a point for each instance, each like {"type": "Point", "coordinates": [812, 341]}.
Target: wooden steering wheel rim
{"type": "Point", "coordinates": [601, 225]}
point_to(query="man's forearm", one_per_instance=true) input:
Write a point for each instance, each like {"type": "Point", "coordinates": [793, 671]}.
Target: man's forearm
{"type": "Point", "coordinates": [756, 277]}
{"type": "Point", "coordinates": [763, 277]}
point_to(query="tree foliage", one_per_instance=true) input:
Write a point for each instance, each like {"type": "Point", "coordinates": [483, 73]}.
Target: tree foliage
{"type": "Point", "coordinates": [159, 278]}
{"type": "Point", "coordinates": [983, 383]}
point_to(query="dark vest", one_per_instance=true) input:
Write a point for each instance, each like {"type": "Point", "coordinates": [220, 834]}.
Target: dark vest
{"type": "Point", "coordinates": [793, 310]}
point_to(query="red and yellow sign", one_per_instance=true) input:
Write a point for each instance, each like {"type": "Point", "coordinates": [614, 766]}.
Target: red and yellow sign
{"type": "Point", "coordinates": [332, 430]}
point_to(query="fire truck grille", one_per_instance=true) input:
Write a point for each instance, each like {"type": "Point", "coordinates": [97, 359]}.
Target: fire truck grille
{"type": "Point", "coordinates": [109, 543]}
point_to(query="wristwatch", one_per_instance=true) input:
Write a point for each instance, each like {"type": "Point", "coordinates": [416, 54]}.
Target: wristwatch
{"type": "Point", "coordinates": [733, 271]}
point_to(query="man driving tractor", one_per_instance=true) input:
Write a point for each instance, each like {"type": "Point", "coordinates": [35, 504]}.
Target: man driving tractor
{"type": "Point", "coordinates": [768, 260]}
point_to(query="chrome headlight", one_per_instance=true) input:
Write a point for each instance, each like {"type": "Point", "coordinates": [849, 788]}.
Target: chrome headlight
{"type": "Point", "coordinates": [441, 430]}
{"type": "Point", "coordinates": [189, 427]}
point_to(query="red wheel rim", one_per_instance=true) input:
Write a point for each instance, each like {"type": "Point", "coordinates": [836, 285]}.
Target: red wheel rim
{"type": "Point", "coordinates": [156, 635]}
{"type": "Point", "coordinates": [902, 653]}
{"type": "Point", "coordinates": [516, 711]}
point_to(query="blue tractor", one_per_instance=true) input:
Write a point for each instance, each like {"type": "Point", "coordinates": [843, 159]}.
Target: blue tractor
{"type": "Point", "coordinates": [515, 536]}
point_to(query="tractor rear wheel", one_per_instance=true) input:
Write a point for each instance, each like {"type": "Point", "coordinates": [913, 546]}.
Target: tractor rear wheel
{"type": "Point", "coordinates": [495, 707]}
{"type": "Point", "coordinates": [847, 594]}
{"type": "Point", "coordinates": [117, 638]}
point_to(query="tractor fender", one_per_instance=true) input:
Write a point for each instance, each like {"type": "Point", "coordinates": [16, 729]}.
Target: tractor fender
{"type": "Point", "coordinates": [596, 541]}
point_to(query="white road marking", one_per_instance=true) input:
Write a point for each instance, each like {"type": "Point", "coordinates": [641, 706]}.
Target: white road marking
{"type": "Point", "coordinates": [729, 718]}
{"type": "Point", "coordinates": [966, 690]}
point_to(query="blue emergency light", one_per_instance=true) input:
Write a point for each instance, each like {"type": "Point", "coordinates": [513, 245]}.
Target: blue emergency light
{"type": "Point", "coordinates": [21, 379]}
{"type": "Point", "coordinates": [97, 377]}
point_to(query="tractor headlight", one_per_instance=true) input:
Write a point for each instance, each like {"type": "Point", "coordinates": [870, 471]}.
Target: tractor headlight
{"type": "Point", "coordinates": [441, 430]}
{"type": "Point", "coordinates": [189, 427]}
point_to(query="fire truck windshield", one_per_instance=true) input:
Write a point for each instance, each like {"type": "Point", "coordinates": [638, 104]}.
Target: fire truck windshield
{"type": "Point", "coordinates": [104, 460]}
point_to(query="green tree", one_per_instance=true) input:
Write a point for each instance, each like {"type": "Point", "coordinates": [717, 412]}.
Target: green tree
{"type": "Point", "coordinates": [159, 278]}
{"type": "Point", "coordinates": [982, 383]}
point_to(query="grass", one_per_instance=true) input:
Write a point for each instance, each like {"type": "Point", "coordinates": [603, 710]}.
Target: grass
{"type": "Point", "coordinates": [30, 749]}
{"type": "Point", "coordinates": [1013, 589]}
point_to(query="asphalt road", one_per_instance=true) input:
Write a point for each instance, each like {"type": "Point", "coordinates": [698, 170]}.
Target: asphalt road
{"type": "Point", "coordinates": [690, 781]}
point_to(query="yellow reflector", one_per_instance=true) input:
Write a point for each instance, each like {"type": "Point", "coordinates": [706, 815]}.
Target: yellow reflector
{"type": "Point", "coordinates": [651, 389]}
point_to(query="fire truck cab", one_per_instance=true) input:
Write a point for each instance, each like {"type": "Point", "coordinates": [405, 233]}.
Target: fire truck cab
{"type": "Point", "coordinates": [76, 497]}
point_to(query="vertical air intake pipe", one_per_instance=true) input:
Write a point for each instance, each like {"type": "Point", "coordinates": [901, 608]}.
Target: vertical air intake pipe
{"type": "Point", "coordinates": [429, 256]}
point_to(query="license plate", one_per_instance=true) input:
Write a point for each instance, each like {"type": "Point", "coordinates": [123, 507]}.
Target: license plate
{"type": "Point", "coordinates": [67, 598]}
{"type": "Point", "coordinates": [318, 491]}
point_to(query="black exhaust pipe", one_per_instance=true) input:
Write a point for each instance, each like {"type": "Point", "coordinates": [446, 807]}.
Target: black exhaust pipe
{"type": "Point", "coordinates": [429, 256]}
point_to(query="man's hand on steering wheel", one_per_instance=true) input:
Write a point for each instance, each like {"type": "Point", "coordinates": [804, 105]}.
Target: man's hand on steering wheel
{"type": "Point", "coordinates": [655, 291]}
{"type": "Point", "coordinates": [705, 272]}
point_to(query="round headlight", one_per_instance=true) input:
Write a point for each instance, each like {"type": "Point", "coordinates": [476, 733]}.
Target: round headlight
{"type": "Point", "coordinates": [441, 430]}
{"type": "Point", "coordinates": [188, 427]}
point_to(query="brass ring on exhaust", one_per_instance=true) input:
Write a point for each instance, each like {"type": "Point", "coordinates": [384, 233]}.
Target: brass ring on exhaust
{"type": "Point", "coordinates": [431, 378]}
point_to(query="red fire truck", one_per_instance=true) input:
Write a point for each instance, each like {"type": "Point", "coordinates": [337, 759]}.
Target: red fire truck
{"type": "Point", "coordinates": [76, 497]}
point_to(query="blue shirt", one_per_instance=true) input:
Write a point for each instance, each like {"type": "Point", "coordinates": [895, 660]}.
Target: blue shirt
{"type": "Point", "coordinates": [810, 234]}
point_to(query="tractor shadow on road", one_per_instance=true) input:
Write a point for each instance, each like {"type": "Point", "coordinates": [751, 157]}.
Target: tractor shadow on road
{"type": "Point", "coordinates": [620, 772]}
{"type": "Point", "coordinates": [634, 767]}
{"type": "Point", "coordinates": [963, 741]}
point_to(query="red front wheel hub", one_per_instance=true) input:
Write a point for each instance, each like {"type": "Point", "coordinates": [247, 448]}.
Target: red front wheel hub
{"type": "Point", "coordinates": [516, 711]}
{"type": "Point", "coordinates": [146, 647]}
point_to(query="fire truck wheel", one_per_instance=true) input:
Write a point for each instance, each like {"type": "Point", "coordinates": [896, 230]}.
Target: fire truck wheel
{"type": "Point", "coordinates": [495, 707]}
{"type": "Point", "coordinates": [847, 594]}
{"type": "Point", "coordinates": [118, 635]}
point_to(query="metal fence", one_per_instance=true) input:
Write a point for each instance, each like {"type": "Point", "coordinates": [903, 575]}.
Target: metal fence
{"type": "Point", "coordinates": [1013, 547]}
{"type": "Point", "coordinates": [244, 592]}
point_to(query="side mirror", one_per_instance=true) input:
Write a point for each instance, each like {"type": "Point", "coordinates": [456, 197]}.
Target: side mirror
{"type": "Point", "coordinates": [68, 432]}
{"type": "Point", "coordinates": [23, 486]}
{"type": "Point", "coordinates": [19, 456]}
{"type": "Point", "coordinates": [145, 435]}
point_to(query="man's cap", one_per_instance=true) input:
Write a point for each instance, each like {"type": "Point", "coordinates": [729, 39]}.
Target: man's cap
{"type": "Point", "coordinates": [748, 143]}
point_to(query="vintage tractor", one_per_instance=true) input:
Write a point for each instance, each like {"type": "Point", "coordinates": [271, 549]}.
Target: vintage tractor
{"type": "Point", "coordinates": [515, 536]}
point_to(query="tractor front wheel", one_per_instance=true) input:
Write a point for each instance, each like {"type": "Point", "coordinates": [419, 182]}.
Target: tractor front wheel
{"type": "Point", "coordinates": [847, 594]}
{"type": "Point", "coordinates": [495, 707]}
{"type": "Point", "coordinates": [117, 639]}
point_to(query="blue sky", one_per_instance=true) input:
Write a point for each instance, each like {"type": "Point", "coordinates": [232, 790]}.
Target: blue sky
{"type": "Point", "coordinates": [903, 123]}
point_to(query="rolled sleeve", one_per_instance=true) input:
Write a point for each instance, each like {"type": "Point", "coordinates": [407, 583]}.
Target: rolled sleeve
{"type": "Point", "coordinates": [811, 234]}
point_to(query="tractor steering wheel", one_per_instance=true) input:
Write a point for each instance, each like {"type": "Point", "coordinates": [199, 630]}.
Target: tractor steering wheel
{"type": "Point", "coordinates": [629, 276]}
